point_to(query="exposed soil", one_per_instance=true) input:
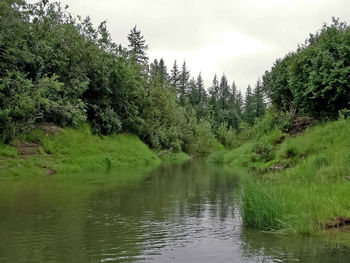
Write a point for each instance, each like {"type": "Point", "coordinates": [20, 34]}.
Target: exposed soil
{"type": "Point", "coordinates": [338, 222]}
{"type": "Point", "coordinates": [25, 148]}
{"type": "Point", "coordinates": [50, 128]}
{"type": "Point", "coordinates": [279, 140]}
{"type": "Point", "coordinates": [300, 125]}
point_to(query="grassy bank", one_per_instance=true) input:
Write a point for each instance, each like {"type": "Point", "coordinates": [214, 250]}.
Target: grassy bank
{"type": "Point", "coordinates": [295, 184]}
{"type": "Point", "coordinates": [72, 151]}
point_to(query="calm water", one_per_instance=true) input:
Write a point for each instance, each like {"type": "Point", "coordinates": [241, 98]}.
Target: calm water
{"type": "Point", "coordinates": [181, 213]}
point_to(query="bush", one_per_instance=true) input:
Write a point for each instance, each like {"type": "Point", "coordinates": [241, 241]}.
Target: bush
{"type": "Point", "coordinates": [106, 122]}
{"type": "Point", "coordinates": [344, 114]}
{"type": "Point", "coordinates": [203, 141]}
{"type": "Point", "coordinates": [7, 129]}
{"type": "Point", "coordinates": [226, 135]}
{"type": "Point", "coordinates": [314, 80]}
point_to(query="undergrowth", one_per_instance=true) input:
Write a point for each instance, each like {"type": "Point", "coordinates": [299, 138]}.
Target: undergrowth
{"type": "Point", "coordinates": [294, 184]}
{"type": "Point", "coordinates": [75, 151]}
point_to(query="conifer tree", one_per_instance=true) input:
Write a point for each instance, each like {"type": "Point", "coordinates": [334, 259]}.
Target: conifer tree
{"type": "Point", "coordinates": [202, 108]}
{"type": "Point", "coordinates": [259, 102]}
{"type": "Point", "coordinates": [201, 90]}
{"type": "Point", "coordinates": [154, 74]}
{"type": "Point", "coordinates": [233, 96]}
{"type": "Point", "coordinates": [183, 84]}
{"type": "Point", "coordinates": [224, 92]}
{"type": "Point", "coordinates": [249, 107]}
{"type": "Point", "coordinates": [193, 93]}
{"type": "Point", "coordinates": [175, 77]}
{"type": "Point", "coordinates": [214, 99]}
{"type": "Point", "coordinates": [137, 46]}
{"type": "Point", "coordinates": [239, 104]}
{"type": "Point", "coordinates": [163, 73]}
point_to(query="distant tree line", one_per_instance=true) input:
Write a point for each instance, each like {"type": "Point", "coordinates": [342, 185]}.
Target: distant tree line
{"type": "Point", "coordinates": [55, 67]}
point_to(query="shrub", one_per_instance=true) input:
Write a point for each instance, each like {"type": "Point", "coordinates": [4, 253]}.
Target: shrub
{"type": "Point", "coordinates": [203, 141]}
{"type": "Point", "coordinates": [226, 135]}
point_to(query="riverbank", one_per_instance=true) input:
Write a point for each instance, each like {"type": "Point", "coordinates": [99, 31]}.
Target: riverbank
{"type": "Point", "coordinates": [51, 150]}
{"type": "Point", "coordinates": [296, 183]}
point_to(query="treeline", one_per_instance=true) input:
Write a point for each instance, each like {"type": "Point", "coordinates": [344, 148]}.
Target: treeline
{"type": "Point", "coordinates": [315, 79]}
{"type": "Point", "coordinates": [55, 67]}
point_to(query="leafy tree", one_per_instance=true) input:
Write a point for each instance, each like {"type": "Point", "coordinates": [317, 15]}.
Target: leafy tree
{"type": "Point", "coordinates": [315, 79]}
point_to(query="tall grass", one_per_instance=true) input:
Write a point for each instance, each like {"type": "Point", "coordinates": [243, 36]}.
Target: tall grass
{"type": "Point", "coordinates": [75, 151]}
{"type": "Point", "coordinates": [313, 188]}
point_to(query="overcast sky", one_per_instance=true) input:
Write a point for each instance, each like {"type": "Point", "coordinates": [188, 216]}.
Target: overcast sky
{"type": "Point", "coordinates": [241, 38]}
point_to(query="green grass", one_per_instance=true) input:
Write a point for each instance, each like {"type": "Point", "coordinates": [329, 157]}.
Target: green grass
{"type": "Point", "coordinates": [310, 191]}
{"type": "Point", "coordinates": [7, 151]}
{"type": "Point", "coordinates": [179, 157]}
{"type": "Point", "coordinates": [75, 151]}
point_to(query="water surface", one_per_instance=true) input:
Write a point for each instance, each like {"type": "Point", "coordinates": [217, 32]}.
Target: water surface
{"type": "Point", "coordinates": [179, 213]}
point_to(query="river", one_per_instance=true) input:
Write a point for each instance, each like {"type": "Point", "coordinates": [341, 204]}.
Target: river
{"type": "Point", "coordinates": [178, 213]}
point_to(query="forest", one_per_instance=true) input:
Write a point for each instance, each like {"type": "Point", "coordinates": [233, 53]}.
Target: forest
{"type": "Point", "coordinates": [286, 138]}
{"type": "Point", "coordinates": [59, 68]}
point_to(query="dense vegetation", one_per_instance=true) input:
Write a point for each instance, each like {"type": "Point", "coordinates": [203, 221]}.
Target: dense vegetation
{"type": "Point", "coordinates": [314, 80]}
{"type": "Point", "coordinates": [69, 151]}
{"type": "Point", "coordinates": [58, 68]}
{"type": "Point", "coordinates": [298, 181]}
{"type": "Point", "coordinates": [294, 184]}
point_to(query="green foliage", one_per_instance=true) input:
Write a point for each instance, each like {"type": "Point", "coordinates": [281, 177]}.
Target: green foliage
{"type": "Point", "coordinates": [106, 121]}
{"type": "Point", "coordinates": [344, 114]}
{"type": "Point", "coordinates": [249, 107]}
{"type": "Point", "coordinates": [76, 150]}
{"type": "Point", "coordinates": [226, 135]}
{"type": "Point", "coordinates": [312, 167]}
{"type": "Point", "coordinates": [7, 151]}
{"type": "Point", "coordinates": [58, 68]}
{"type": "Point", "coordinates": [202, 141]}
{"type": "Point", "coordinates": [163, 120]}
{"type": "Point", "coordinates": [178, 157]}
{"type": "Point", "coordinates": [314, 80]}
{"type": "Point", "coordinates": [137, 46]}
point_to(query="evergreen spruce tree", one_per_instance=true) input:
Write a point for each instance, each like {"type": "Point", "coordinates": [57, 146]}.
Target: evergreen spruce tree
{"type": "Point", "coordinates": [163, 73]}
{"type": "Point", "coordinates": [239, 104]}
{"type": "Point", "coordinates": [137, 47]}
{"type": "Point", "coordinates": [193, 93]}
{"type": "Point", "coordinates": [154, 74]}
{"type": "Point", "coordinates": [202, 108]}
{"type": "Point", "coordinates": [224, 93]}
{"type": "Point", "coordinates": [259, 101]}
{"type": "Point", "coordinates": [201, 90]}
{"type": "Point", "coordinates": [183, 84]}
{"type": "Point", "coordinates": [214, 100]}
{"type": "Point", "coordinates": [233, 96]}
{"type": "Point", "coordinates": [175, 77]}
{"type": "Point", "coordinates": [249, 107]}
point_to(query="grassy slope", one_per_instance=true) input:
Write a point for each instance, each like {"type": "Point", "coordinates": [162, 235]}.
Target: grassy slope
{"type": "Point", "coordinates": [179, 157]}
{"type": "Point", "coordinates": [309, 192]}
{"type": "Point", "coordinates": [76, 151]}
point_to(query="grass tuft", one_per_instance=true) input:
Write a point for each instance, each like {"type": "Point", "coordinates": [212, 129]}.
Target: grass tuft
{"type": "Point", "coordinates": [302, 183]}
